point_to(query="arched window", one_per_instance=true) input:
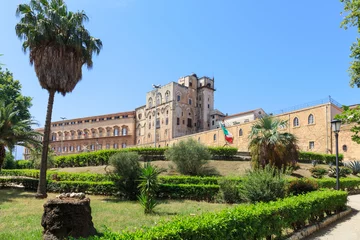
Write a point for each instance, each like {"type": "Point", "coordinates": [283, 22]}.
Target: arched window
{"type": "Point", "coordinates": [311, 119]}
{"type": "Point", "coordinates": [215, 137]}
{"type": "Point", "coordinates": [158, 99]}
{"type": "Point", "coordinates": [115, 146]}
{"type": "Point", "coordinates": [116, 132]}
{"type": "Point", "coordinates": [344, 147]}
{"type": "Point", "coordinates": [296, 122]}
{"type": "Point", "coordinates": [123, 145]}
{"type": "Point", "coordinates": [150, 102]}
{"type": "Point", "coordinates": [167, 96]}
{"type": "Point", "coordinates": [178, 98]}
{"type": "Point", "coordinates": [240, 132]}
{"type": "Point", "coordinates": [78, 148]}
{"type": "Point", "coordinates": [124, 131]}
{"type": "Point", "coordinates": [53, 137]}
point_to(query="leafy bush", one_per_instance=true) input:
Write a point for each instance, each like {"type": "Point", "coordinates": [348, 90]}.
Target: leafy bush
{"type": "Point", "coordinates": [301, 186]}
{"type": "Point", "coordinates": [263, 185]}
{"type": "Point", "coordinates": [197, 192]}
{"type": "Point", "coordinates": [245, 221]}
{"type": "Point", "coordinates": [342, 172]}
{"type": "Point", "coordinates": [9, 161]}
{"type": "Point", "coordinates": [127, 169]}
{"type": "Point", "coordinates": [148, 186]}
{"type": "Point", "coordinates": [308, 157]}
{"type": "Point", "coordinates": [229, 191]}
{"type": "Point", "coordinates": [318, 172]}
{"type": "Point", "coordinates": [345, 183]}
{"type": "Point", "coordinates": [190, 157]}
{"type": "Point", "coordinates": [24, 164]}
{"type": "Point", "coordinates": [354, 166]}
{"type": "Point", "coordinates": [221, 153]}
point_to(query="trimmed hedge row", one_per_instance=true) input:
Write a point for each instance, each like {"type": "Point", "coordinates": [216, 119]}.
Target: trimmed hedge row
{"type": "Point", "coordinates": [308, 157]}
{"type": "Point", "coordinates": [96, 177]}
{"type": "Point", "coordinates": [101, 157]}
{"type": "Point", "coordinates": [188, 191]}
{"type": "Point", "coordinates": [223, 152]}
{"type": "Point", "coordinates": [255, 221]}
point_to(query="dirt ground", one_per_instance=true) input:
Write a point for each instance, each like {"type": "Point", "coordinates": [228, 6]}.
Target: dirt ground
{"type": "Point", "coordinates": [224, 168]}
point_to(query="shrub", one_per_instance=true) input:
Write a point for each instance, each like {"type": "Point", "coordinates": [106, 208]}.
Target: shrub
{"type": "Point", "coordinates": [148, 186]}
{"type": "Point", "coordinates": [9, 161]}
{"type": "Point", "coordinates": [342, 172]}
{"type": "Point", "coordinates": [301, 186]}
{"type": "Point", "coordinates": [190, 157]}
{"type": "Point", "coordinates": [263, 185]}
{"type": "Point", "coordinates": [318, 172]}
{"type": "Point", "coordinates": [354, 166]}
{"type": "Point", "coordinates": [197, 192]}
{"type": "Point", "coordinates": [229, 191]}
{"type": "Point", "coordinates": [127, 168]}
{"type": "Point", "coordinates": [223, 152]}
{"type": "Point", "coordinates": [24, 164]}
{"type": "Point", "coordinates": [244, 221]}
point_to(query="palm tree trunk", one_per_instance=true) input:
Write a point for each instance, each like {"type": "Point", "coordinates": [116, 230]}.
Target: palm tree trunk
{"type": "Point", "coordinates": [2, 155]}
{"type": "Point", "coordinates": [41, 191]}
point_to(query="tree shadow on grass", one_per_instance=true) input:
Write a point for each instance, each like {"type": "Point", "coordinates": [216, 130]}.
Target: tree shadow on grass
{"type": "Point", "coordinates": [7, 194]}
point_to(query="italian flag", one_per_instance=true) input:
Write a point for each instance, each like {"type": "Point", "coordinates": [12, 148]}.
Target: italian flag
{"type": "Point", "coordinates": [228, 136]}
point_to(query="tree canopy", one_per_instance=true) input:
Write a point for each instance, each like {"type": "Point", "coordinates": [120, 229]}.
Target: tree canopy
{"type": "Point", "coordinates": [352, 19]}
{"type": "Point", "coordinates": [349, 116]}
{"type": "Point", "coordinates": [10, 92]}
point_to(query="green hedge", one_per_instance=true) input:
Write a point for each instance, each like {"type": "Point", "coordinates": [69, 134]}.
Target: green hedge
{"type": "Point", "coordinates": [101, 157]}
{"type": "Point", "coordinates": [188, 191]}
{"type": "Point", "coordinates": [255, 221]}
{"type": "Point", "coordinates": [58, 176]}
{"type": "Point", "coordinates": [308, 157]}
{"type": "Point", "coordinates": [23, 164]}
{"type": "Point", "coordinates": [223, 152]}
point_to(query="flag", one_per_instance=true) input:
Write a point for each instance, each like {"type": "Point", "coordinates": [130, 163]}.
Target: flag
{"type": "Point", "coordinates": [228, 136]}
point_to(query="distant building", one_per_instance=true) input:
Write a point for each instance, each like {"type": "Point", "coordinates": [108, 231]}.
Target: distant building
{"type": "Point", "coordinates": [183, 109]}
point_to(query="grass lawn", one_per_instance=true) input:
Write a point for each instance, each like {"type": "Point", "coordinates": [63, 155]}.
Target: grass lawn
{"type": "Point", "coordinates": [20, 213]}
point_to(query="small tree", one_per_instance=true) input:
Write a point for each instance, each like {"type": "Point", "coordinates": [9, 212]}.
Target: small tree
{"type": "Point", "coordinates": [263, 185]}
{"type": "Point", "coordinates": [190, 157]}
{"type": "Point", "coordinates": [127, 172]}
{"type": "Point", "coordinates": [148, 186]}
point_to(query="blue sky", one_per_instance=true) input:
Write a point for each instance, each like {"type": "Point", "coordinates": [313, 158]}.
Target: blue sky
{"type": "Point", "coordinates": [268, 54]}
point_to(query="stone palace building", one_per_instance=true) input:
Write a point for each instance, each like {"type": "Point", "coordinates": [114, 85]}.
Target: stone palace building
{"type": "Point", "coordinates": [183, 109]}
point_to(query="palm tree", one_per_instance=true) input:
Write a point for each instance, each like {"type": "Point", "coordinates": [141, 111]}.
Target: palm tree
{"type": "Point", "coordinates": [59, 46]}
{"type": "Point", "coordinates": [15, 132]}
{"type": "Point", "coordinates": [268, 145]}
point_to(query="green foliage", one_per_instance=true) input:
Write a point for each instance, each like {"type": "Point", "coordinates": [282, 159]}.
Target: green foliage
{"type": "Point", "coordinates": [229, 191]}
{"type": "Point", "coordinates": [222, 152]}
{"type": "Point", "coordinates": [102, 157]}
{"type": "Point", "coordinates": [263, 185]}
{"type": "Point", "coordinates": [149, 186]}
{"type": "Point", "coordinates": [24, 164]}
{"type": "Point", "coordinates": [245, 221]}
{"type": "Point", "coordinates": [9, 161]}
{"type": "Point", "coordinates": [127, 169]}
{"type": "Point", "coordinates": [348, 184]}
{"type": "Point", "coordinates": [197, 192]}
{"type": "Point", "coordinates": [352, 8]}
{"type": "Point", "coordinates": [10, 93]}
{"type": "Point", "coordinates": [301, 186]}
{"type": "Point", "coordinates": [308, 157]}
{"type": "Point", "coordinates": [190, 157]}
{"type": "Point", "coordinates": [351, 116]}
{"type": "Point", "coordinates": [318, 172]}
{"type": "Point", "coordinates": [270, 146]}
{"type": "Point", "coordinates": [342, 172]}
{"type": "Point", "coordinates": [190, 180]}
{"type": "Point", "coordinates": [354, 166]}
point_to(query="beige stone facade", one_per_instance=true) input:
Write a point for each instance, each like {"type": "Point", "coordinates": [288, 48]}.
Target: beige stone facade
{"type": "Point", "coordinates": [183, 109]}
{"type": "Point", "coordinates": [109, 131]}
{"type": "Point", "coordinates": [174, 110]}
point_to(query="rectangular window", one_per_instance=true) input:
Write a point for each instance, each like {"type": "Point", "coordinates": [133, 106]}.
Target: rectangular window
{"type": "Point", "coordinates": [167, 121]}
{"type": "Point", "coordinates": [87, 121]}
{"type": "Point", "coordinates": [107, 146]}
{"type": "Point", "coordinates": [311, 145]}
{"type": "Point", "coordinates": [189, 123]}
{"type": "Point", "coordinates": [190, 101]}
{"type": "Point", "coordinates": [208, 105]}
{"type": "Point", "coordinates": [213, 122]}
{"type": "Point", "coordinates": [178, 121]}
{"type": "Point", "coordinates": [178, 98]}
{"type": "Point", "coordinates": [99, 147]}
{"type": "Point", "coordinates": [158, 123]}
{"type": "Point", "coordinates": [183, 121]}
{"type": "Point", "coordinates": [115, 145]}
